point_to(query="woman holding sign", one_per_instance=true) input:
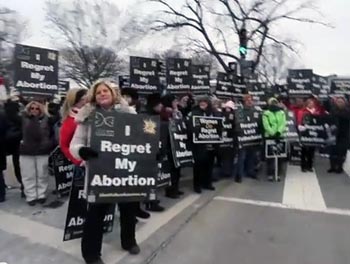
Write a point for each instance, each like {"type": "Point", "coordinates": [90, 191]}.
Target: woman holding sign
{"type": "Point", "coordinates": [104, 96]}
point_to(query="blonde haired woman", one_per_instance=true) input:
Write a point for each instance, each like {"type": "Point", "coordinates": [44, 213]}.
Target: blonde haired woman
{"type": "Point", "coordinates": [105, 96]}
{"type": "Point", "coordinates": [36, 145]}
{"type": "Point", "coordinates": [75, 100]}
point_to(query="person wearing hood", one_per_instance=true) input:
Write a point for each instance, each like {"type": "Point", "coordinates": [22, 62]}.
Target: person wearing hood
{"type": "Point", "coordinates": [36, 145]}
{"type": "Point", "coordinates": [13, 137]}
{"type": "Point", "coordinates": [274, 123]}
{"type": "Point", "coordinates": [171, 111]}
{"type": "Point", "coordinates": [341, 114]}
{"type": "Point", "coordinates": [203, 154]}
{"type": "Point", "coordinates": [104, 96]}
{"type": "Point", "coordinates": [185, 104]}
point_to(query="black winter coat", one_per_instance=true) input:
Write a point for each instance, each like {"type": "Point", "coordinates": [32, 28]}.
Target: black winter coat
{"type": "Point", "coordinates": [38, 135]}
{"type": "Point", "coordinates": [342, 117]}
{"type": "Point", "coordinates": [3, 130]}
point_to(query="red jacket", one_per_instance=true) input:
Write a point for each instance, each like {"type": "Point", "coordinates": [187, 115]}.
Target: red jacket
{"type": "Point", "coordinates": [66, 134]}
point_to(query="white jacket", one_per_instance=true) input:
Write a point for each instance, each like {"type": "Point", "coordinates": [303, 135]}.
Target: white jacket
{"type": "Point", "coordinates": [80, 138]}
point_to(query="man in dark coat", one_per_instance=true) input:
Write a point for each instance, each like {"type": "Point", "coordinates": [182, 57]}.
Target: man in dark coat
{"type": "Point", "coordinates": [341, 113]}
{"type": "Point", "coordinates": [3, 129]}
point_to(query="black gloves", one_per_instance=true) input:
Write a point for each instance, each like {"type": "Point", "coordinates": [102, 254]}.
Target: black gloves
{"type": "Point", "coordinates": [87, 153]}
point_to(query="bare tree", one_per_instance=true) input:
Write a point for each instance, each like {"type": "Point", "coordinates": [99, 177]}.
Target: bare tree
{"type": "Point", "coordinates": [215, 25]}
{"type": "Point", "coordinates": [12, 29]}
{"type": "Point", "coordinates": [274, 64]}
{"type": "Point", "coordinates": [91, 36]}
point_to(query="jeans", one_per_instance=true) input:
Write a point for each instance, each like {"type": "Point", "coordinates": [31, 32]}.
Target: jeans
{"type": "Point", "coordinates": [247, 161]}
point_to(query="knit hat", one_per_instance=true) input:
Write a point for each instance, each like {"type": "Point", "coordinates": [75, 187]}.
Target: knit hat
{"type": "Point", "coordinates": [168, 99]}
{"type": "Point", "coordinates": [203, 97]}
{"type": "Point", "coordinates": [272, 100]}
{"type": "Point", "coordinates": [230, 104]}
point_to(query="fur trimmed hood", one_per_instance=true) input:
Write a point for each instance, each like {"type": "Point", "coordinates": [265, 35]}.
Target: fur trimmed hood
{"type": "Point", "coordinates": [86, 111]}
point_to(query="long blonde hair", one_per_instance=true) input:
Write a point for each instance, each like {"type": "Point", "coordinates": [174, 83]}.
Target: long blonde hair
{"type": "Point", "coordinates": [115, 91]}
{"type": "Point", "coordinates": [70, 101]}
{"type": "Point", "coordinates": [43, 110]}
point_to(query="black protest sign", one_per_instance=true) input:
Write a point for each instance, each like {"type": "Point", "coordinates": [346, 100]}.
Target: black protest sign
{"type": "Point", "coordinates": [228, 130]}
{"type": "Point", "coordinates": [248, 129]}
{"type": "Point", "coordinates": [77, 209]}
{"type": "Point", "coordinates": [300, 82]}
{"type": "Point", "coordinates": [63, 171]}
{"type": "Point", "coordinates": [281, 90]}
{"type": "Point", "coordinates": [312, 131]}
{"type": "Point", "coordinates": [63, 87]}
{"type": "Point", "coordinates": [238, 90]}
{"type": "Point", "coordinates": [182, 154]}
{"type": "Point", "coordinates": [320, 87]}
{"type": "Point", "coordinates": [258, 92]}
{"type": "Point", "coordinates": [164, 173]}
{"type": "Point", "coordinates": [207, 129]}
{"type": "Point", "coordinates": [144, 75]}
{"type": "Point", "coordinates": [292, 134]}
{"type": "Point", "coordinates": [275, 148]}
{"type": "Point", "coordinates": [179, 77]}
{"type": "Point", "coordinates": [295, 154]}
{"type": "Point", "coordinates": [36, 71]}
{"type": "Point", "coordinates": [200, 79]}
{"type": "Point", "coordinates": [126, 168]}
{"type": "Point", "coordinates": [224, 86]}
{"type": "Point", "coordinates": [340, 86]}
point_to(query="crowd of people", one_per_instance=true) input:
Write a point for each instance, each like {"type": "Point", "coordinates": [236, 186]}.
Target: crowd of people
{"type": "Point", "coordinates": [29, 131]}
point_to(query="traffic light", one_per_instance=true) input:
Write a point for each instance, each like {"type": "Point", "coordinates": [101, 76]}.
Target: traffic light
{"type": "Point", "coordinates": [243, 43]}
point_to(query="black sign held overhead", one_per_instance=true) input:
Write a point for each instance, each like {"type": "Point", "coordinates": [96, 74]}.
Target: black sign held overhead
{"type": "Point", "coordinates": [300, 83]}
{"type": "Point", "coordinates": [126, 168]}
{"type": "Point", "coordinates": [224, 86]}
{"type": "Point", "coordinates": [340, 86]}
{"type": "Point", "coordinates": [63, 87]}
{"type": "Point", "coordinates": [258, 92]}
{"type": "Point", "coordinates": [238, 90]}
{"type": "Point", "coordinates": [248, 129]}
{"type": "Point", "coordinates": [77, 209]}
{"type": "Point", "coordinates": [182, 155]}
{"type": "Point", "coordinates": [200, 79]}
{"type": "Point", "coordinates": [36, 71]}
{"type": "Point", "coordinates": [63, 171]}
{"type": "Point", "coordinates": [144, 75]}
{"type": "Point", "coordinates": [320, 87]}
{"type": "Point", "coordinates": [179, 77]}
{"type": "Point", "coordinates": [207, 130]}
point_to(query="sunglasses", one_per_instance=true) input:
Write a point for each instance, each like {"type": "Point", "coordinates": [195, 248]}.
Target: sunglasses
{"type": "Point", "coordinates": [35, 108]}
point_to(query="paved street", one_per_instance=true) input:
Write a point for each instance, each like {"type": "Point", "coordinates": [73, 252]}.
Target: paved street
{"type": "Point", "coordinates": [303, 219]}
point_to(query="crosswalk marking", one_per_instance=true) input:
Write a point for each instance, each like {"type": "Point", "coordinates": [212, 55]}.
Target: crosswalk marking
{"type": "Point", "coordinates": [302, 190]}
{"type": "Point", "coordinates": [331, 211]}
{"type": "Point", "coordinates": [39, 233]}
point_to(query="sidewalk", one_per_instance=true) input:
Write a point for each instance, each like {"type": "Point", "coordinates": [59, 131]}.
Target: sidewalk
{"type": "Point", "coordinates": [34, 234]}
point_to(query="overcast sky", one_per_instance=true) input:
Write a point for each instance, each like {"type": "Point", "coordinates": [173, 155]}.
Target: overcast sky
{"type": "Point", "coordinates": [325, 50]}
